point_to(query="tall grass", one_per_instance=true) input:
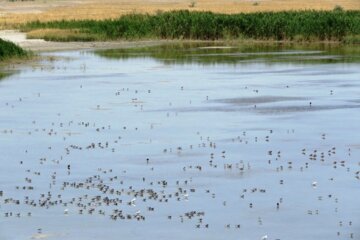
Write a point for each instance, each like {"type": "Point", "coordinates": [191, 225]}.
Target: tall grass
{"type": "Point", "coordinates": [10, 50]}
{"type": "Point", "coordinates": [286, 25]}
{"type": "Point", "coordinates": [62, 35]}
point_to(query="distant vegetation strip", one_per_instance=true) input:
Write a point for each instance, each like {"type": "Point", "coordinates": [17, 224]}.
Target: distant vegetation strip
{"type": "Point", "coordinates": [336, 25]}
{"type": "Point", "coordinates": [9, 50]}
{"type": "Point", "coordinates": [244, 53]}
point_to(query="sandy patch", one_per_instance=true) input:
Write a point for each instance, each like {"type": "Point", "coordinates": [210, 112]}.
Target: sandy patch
{"type": "Point", "coordinates": [17, 37]}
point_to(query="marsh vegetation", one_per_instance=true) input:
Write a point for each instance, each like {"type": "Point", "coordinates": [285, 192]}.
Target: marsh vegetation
{"type": "Point", "coordinates": [337, 25]}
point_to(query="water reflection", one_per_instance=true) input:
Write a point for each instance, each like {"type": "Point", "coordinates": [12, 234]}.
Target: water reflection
{"type": "Point", "coordinates": [222, 53]}
{"type": "Point", "coordinates": [3, 75]}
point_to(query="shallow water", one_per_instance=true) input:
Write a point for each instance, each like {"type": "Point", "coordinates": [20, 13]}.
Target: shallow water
{"type": "Point", "coordinates": [228, 134]}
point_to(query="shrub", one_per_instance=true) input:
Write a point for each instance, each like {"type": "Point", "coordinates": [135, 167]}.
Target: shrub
{"type": "Point", "coordinates": [9, 50]}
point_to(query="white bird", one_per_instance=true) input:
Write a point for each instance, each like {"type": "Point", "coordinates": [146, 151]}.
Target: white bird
{"type": "Point", "coordinates": [66, 211]}
{"type": "Point", "coordinates": [265, 237]}
{"type": "Point", "coordinates": [132, 202]}
{"type": "Point", "coordinates": [314, 184]}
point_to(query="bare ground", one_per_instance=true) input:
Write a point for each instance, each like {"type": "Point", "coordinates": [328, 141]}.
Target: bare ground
{"type": "Point", "coordinates": [22, 11]}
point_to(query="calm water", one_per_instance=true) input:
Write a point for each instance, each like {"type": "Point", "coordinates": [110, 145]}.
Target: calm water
{"type": "Point", "coordinates": [182, 142]}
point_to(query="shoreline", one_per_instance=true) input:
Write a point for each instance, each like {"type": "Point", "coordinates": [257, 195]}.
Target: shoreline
{"type": "Point", "coordinates": [40, 45]}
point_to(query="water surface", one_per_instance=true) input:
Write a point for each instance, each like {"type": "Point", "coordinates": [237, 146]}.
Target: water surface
{"type": "Point", "coordinates": [183, 142]}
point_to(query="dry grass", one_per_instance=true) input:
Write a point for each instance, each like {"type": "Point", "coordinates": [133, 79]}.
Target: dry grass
{"type": "Point", "coordinates": [11, 14]}
{"type": "Point", "coordinates": [62, 35]}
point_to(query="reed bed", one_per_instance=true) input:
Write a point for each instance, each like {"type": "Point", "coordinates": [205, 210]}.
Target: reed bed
{"type": "Point", "coordinates": [287, 25]}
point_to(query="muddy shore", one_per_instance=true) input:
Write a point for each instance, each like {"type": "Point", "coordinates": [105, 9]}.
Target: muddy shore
{"type": "Point", "coordinates": [40, 45]}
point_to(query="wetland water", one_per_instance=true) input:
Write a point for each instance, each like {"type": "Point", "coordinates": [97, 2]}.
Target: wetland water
{"type": "Point", "coordinates": [182, 142]}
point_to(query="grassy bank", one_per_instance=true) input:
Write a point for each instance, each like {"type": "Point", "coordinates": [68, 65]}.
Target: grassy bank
{"type": "Point", "coordinates": [336, 25]}
{"type": "Point", "coordinates": [9, 50]}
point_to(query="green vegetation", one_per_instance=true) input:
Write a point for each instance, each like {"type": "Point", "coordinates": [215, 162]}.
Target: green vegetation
{"type": "Point", "coordinates": [288, 25]}
{"type": "Point", "coordinates": [338, 8]}
{"type": "Point", "coordinates": [62, 35]}
{"type": "Point", "coordinates": [10, 50]}
{"type": "Point", "coordinates": [352, 39]}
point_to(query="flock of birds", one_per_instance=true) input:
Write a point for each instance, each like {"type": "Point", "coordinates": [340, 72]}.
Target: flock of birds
{"type": "Point", "coordinates": [57, 180]}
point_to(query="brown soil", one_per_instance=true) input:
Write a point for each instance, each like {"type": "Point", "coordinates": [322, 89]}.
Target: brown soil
{"type": "Point", "coordinates": [21, 11]}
